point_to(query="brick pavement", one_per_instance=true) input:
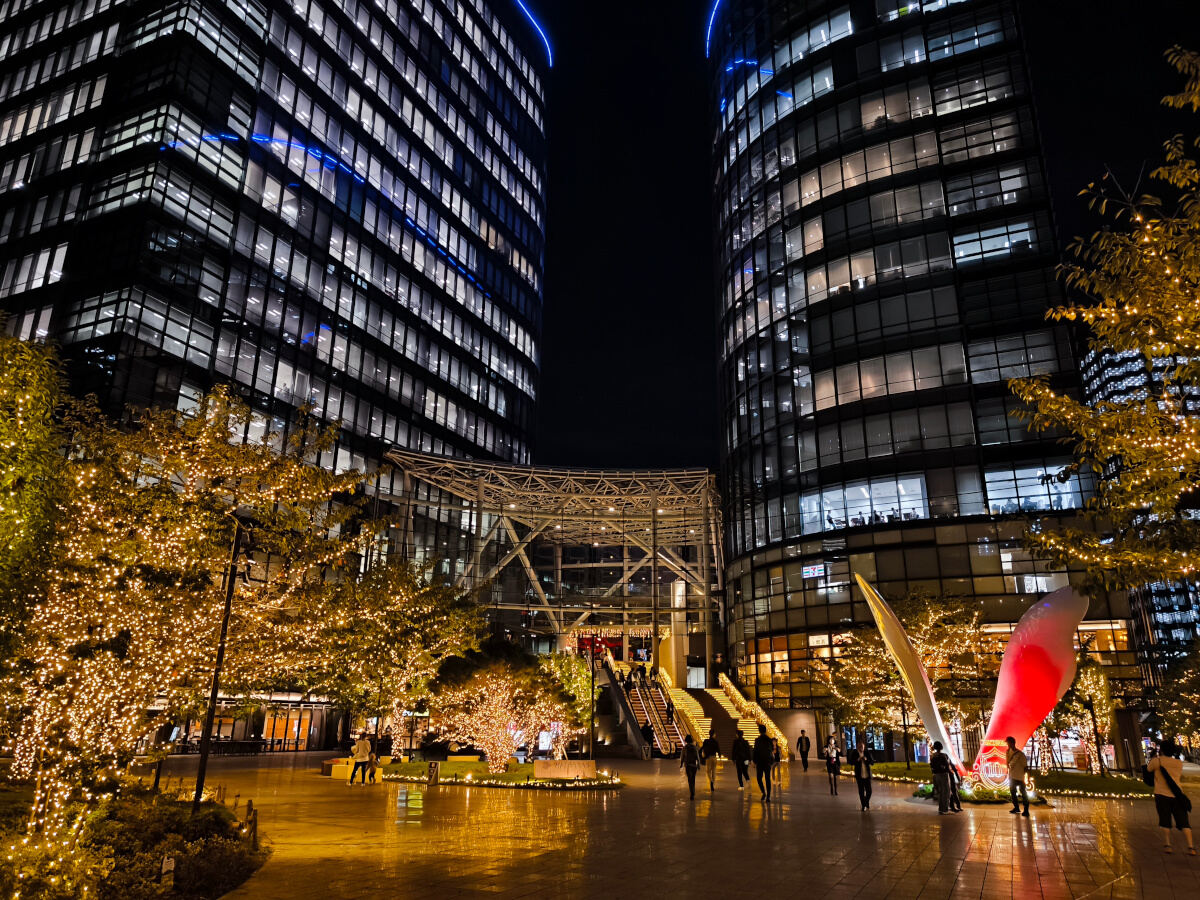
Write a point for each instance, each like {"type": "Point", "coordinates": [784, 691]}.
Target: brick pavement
{"type": "Point", "coordinates": [332, 841]}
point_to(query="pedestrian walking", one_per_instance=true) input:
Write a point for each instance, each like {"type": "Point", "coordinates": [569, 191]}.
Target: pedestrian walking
{"type": "Point", "coordinates": [709, 751]}
{"type": "Point", "coordinates": [764, 758]}
{"type": "Point", "coordinates": [833, 763]}
{"type": "Point", "coordinates": [1015, 757]}
{"type": "Point", "coordinates": [861, 759]}
{"type": "Point", "coordinates": [689, 761]}
{"type": "Point", "coordinates": [777, 761]}
{"type": "Point", "coordinates": [939, 765]}
{"type": "Point", "coordinates": [372, 765]}
{"type": "Point", "coordinates": [361, 751]}
{"type": "Point", "coordinates": [803, 747]}
{"type": "Point", "coordinates": [1169, 799]}
{"type": "Point", "coordinates": [741, 759]}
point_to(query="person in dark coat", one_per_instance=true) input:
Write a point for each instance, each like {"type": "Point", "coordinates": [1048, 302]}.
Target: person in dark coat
{"type": "Point", "coordinates": [670, 712]}
{"type": "Point", "coordinates": [939, 767]}
{"type": "Point", "coordinates": [741, 758]}
{"type": "Point", "coordinates": [803, 747]}
{"type": "Point", "coordinates": [860, 758]}
{"type": "Point", "coordinates": [709, 751]}
{"type": "Point", "coordinates": [648, 734]}
{"type": "Point", "coordinates": [764, 759]}
{"type": "Point", "coordinates": [689, 761]}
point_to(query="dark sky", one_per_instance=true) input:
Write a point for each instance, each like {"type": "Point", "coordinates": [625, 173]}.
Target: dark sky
{"type": "Point", "coordinates": [629, 344]}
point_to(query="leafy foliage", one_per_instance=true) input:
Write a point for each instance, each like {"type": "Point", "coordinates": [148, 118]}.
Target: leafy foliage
{"type": "Point", "coordinates": [135, 588]}
{"type": "Point", "coordinates": [31, 484]}
{"type": "Point", "coordinates": [1179, 705]}
{"type": "Point", "coordinates": [1136, 280]}
{"type": "Point", "coordinates": [376, 643]}
{"type": "Point", "coordinates": [499, 701]}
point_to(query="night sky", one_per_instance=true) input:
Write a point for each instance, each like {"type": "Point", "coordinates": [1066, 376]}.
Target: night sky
{"type": "Point", "coordinates": [629, 359]}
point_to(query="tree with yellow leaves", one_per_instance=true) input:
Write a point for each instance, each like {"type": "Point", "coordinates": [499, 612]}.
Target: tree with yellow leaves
{"type": "Point", "coordinates": [374, 644]}
{"type": "Point", "coordinates": [960, 659]}
{"type": "Point", "coordinates": [1137, 282]}
{"type": "Point", "coordinates": [501, 699]}
{"type": "Point", "coordinates": [125, 632]}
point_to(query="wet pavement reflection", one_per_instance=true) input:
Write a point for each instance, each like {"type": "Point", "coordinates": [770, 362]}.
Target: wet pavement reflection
{"type": "Point", "coordinates": [329, 840]}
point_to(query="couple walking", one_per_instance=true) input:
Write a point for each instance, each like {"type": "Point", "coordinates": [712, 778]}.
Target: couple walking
{"type": "Point", "coordinates": [859, 757]}
{"type": "Point", "coordinates": [765, 755]}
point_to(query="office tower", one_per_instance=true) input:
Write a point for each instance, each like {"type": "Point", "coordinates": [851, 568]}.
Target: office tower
{"type": "Point", "coordinates": [886, 258]}
{"type": "Point", "coordinates": [336, 202]}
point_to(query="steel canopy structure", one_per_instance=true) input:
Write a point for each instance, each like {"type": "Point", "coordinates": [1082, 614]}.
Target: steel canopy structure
{"type": "Point", "coordinates": [589, 549]}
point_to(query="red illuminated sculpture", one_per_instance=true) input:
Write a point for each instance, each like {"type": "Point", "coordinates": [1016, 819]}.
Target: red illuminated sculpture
{"type": "Point", "coordinates": [1037, 668]}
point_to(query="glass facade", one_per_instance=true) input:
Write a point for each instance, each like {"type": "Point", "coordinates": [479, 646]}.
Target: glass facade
{"type": "Point", "coordinates": [885, 259]}
{"type": "Point", "coordinates": [335, 202]}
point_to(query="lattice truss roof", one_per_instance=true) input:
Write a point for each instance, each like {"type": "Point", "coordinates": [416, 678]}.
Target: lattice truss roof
{"type": "Point", "coordinates": [576, 506]}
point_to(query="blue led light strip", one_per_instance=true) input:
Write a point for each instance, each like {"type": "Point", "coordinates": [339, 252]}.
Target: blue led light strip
{"type": "Point", "coordinates": [332, 162]}
{"type": "Point", "coordinates": [712, 17]}
{"type": "Point", "coordinates": [538, 28]}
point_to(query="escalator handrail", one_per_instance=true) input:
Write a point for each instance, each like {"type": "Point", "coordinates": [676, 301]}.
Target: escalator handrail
{"type": "Point", "coordinates": [627, 704]}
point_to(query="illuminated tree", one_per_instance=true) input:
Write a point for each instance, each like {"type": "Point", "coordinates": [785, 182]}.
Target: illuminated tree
{"type": "Point", "coordinates": [1137, 281]}
{"type": "Point", "coordinates": [125, 634]}
{"type": "Point", "coordinates": [502, 706]}
{"type": "Point", "coordinates": [1179, 704]}
{"type": "Point", "coordinates": [961, 660]}
{"type": "Point", "coordinates": [31, 483]}
{"type": "Point", "coordinates": [1087, 708]}
{"type": "Point", "coordinates": [376, 642]}
{"type": "Point", "coordinates": [571, 671]}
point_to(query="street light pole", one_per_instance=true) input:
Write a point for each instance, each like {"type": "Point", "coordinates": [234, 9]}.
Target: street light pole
{"type": "Point", "coordinates": [210, 715]}
{"type": "Point", "coordinates": [592, 701]}
{"type": "Point", "coordinates": [904, 722]}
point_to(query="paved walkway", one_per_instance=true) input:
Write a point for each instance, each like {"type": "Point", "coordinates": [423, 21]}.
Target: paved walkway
{"type": "Point", "coordinates": [333, 841]}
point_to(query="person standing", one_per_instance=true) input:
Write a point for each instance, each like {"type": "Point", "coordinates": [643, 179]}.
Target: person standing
{"type": "Point", "coordinates": [861, 759]}
{"type": "Point", "coordinates": [764, 758]}
{"type": "Point", "coordinates": [689, 761]}
{"type": "Point", "coordinates": [939, 765]}
{"type": "Point", "coordinates": [833, 763]}
{"type": "Point", "coordinates": [741, 759]}
{"type": "Point", "coordinates": [1169, 799]}
{"type": "Point", "coordinates": [361, 751]}
{"type": "Point", "coordinates": [709, 751]}
{"type": "Point", "coordinates": [955, 782]}
{"type": "Point", "coordinates": [1015, 758]}
{"type": "Point", "coordinates": [803, 747]}
{"type": "Point", "coordinates": [670, 711]}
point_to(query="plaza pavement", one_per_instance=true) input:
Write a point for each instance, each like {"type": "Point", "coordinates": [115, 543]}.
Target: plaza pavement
{"type": "Point", "coordinates": [648, 840]}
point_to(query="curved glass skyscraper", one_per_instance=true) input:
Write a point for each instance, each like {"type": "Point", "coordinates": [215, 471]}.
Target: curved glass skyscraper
{"type": "Point", "coordinates": [885, 262]}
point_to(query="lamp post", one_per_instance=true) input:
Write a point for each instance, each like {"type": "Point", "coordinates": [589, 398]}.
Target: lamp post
{"type": "Point", "coordinates": [904, 725]}
{"type": "Point", "coordinates": [210, 715]}
{"type": "Point", "coordinates": [592, 700]}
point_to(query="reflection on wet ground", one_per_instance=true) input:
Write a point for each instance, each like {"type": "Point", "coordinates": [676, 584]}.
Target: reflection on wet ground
{"type": "Point", "coordinates": [334, 841]}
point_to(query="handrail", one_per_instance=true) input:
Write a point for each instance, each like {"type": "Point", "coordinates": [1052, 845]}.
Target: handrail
{"type": "Point", "coordinates": [623, 701]}
{"type": "Point", "coordinates": [666, 745]}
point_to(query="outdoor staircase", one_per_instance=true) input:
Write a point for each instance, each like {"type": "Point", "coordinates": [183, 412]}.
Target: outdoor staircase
{"type": "Point", "coordinates": [749, 727]}
{"type": "Point", "coordinates": [685, 703]}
